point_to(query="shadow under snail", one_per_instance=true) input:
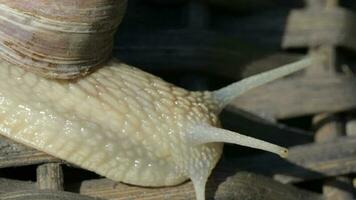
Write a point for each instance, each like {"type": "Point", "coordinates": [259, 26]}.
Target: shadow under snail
{"type": "Point", "coordinates": [117, 121]}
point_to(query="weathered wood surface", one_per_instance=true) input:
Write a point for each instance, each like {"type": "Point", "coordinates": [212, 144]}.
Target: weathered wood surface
{"type": "Point", "coordinates": [13, 154]}
{"type": "Point", "coordinates": [50, 176]}
{"type": "Point", "coordinates": [329, 127]}
{"type": "Point", "coordinates": [43, 195]}
{"type": "Point", "coordinates": [8, 185]}
{"type": "Point", "coordinates": [322, 26]}
{"type": "Point", "coordinates": [300, 96]}
{"type": "Point", "coordinates": [313, 27]}
{"type": "Point", "coordinates": [242, 185]}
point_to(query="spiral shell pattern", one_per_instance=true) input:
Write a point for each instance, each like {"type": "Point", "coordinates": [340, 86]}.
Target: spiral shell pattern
{"type": "Point", "coordinates": [59, 39]}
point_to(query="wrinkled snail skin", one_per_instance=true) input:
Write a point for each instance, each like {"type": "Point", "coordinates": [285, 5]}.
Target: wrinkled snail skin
{"type": "Point", "coordinates": [126, 124]}
{"type": "Point", "coordinates": [59, 39]}
{"type": "Point", "coordinates": [120, 122]}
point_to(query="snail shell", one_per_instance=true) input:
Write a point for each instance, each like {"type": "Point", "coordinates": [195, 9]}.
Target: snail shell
{"type": "Point", "coordinates": [59, 39]}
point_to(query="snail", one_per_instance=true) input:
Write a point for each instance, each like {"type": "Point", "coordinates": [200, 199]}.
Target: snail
{"type": "Point", "coordinates": [118, 121]}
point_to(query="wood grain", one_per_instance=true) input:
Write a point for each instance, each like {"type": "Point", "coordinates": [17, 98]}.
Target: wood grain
{"type": "Point", "coordinates": [43, 195]}
{"type": "Point", "coordinates": [8, 185]}
{"type": "Point", "coordinates": [314, 27]}
{"type": "Point", "coordinates": [13, 154]}
{"type": "Point", "coordinates": [50, 176]}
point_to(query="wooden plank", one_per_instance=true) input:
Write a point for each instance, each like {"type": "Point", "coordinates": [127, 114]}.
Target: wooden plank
{"type": "Point", "coordinates": [50, 176]}
{"type": "Point", "coordinates": [8, 185]}
{"type": "Point", "coordinates": [301, 96]}
{"type": "Point", "coordinates": [329, 127]}
{"type": "Point", "coordinates": [43, 195]}
{"type": "Point", "coordinates": [314, 27]}
{"type": "Point", "coordinates": [242, 185]}
{"type": "Point", "coordinates": [13, 154]}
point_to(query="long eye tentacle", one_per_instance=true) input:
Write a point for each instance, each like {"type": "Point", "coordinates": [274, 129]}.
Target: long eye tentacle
{"type": "Point", "coordinates": [227, 94]}
{"type": "Point", "coordinates": [202, 134]}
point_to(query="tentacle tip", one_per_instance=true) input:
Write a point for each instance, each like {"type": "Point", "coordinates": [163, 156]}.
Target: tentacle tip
{"type": "Point", "coordinates": [284, 153]}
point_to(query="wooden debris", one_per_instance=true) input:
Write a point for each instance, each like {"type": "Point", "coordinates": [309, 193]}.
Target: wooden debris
{"type": "Point", "coordinates": [50, 176]}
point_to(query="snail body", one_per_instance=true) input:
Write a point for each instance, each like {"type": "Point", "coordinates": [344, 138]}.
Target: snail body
{"type": "Point", "coordinates": [125, 124]}
{"type": "Point", "coordinates": [117, 121]}
{"type": "Point", "coordinates": [120, 122]}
